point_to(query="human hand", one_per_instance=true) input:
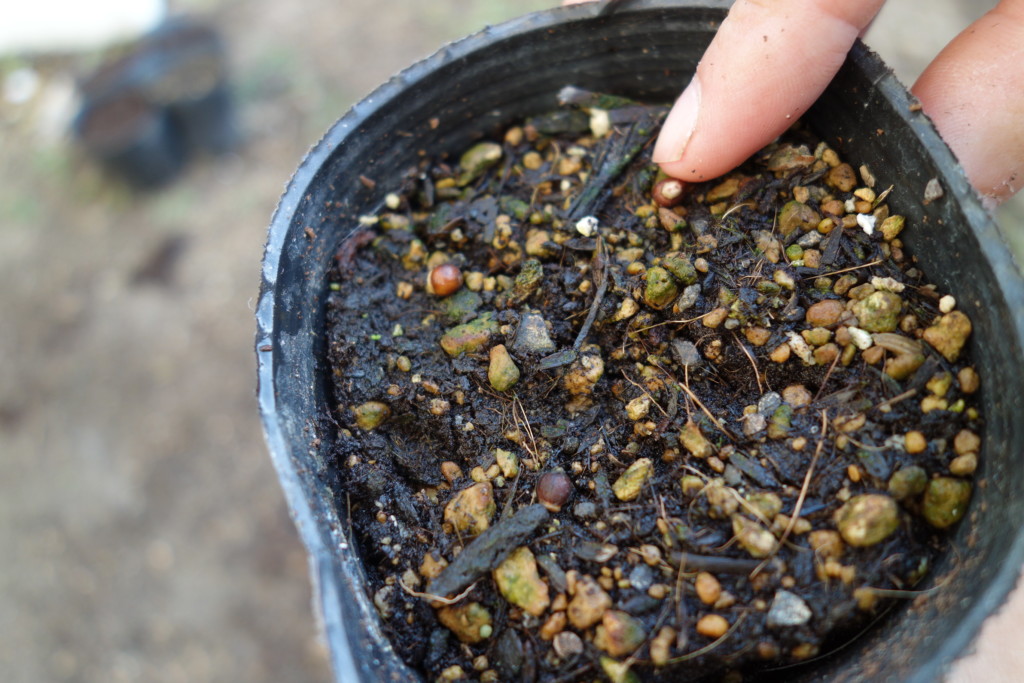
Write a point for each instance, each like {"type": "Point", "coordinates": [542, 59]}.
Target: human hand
{"type": "Point", "coordinates": [770, 61]}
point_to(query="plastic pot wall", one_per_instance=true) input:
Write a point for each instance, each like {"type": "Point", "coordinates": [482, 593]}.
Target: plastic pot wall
{"type": "Point", "coordinates": [647, 50]}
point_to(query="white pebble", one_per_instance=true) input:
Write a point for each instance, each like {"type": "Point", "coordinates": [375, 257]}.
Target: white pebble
{"type": "Point", "coordinates": [860, 338]}
{"type": "Point", "coordinates": [947, 303]}
{"type": "Point", "coordinates": [586, 226]}
{"type": "Point", "coordinates": [392, 201]}
{"type": "Point", "coordinates": [801, 348]}
{"type": "Point", "coordinates": [600, 122]}
{"type": "Point", "coordinates": [867, 222]}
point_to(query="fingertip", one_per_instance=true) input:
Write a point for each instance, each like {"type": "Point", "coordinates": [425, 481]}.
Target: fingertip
{"type": "Point", "coordinates": [678, 126]}
{"type": "Point", "coordinates": [765, 66]}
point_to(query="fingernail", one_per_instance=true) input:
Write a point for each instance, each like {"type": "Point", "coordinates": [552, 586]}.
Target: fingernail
{"type": "Point", "coordinates": [679, 125]}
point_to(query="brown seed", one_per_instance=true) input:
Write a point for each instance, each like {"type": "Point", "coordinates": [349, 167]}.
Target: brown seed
{"type": "Point", "coordinates": [553, 490]}
{"type": "Point", "coordinates": [445, 279]}
{"type": "Point", "coordinates": [667, 192]}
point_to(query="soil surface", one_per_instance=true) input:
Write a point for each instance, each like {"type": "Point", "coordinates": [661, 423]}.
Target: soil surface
{"type": "Point", "coordinates": [744, 416]}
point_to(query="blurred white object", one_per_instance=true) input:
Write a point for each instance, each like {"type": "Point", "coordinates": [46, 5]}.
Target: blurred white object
{"type": "Point", "coordinates": [21, 85]}
{"type": "Point", "coordinates": [69, 25]}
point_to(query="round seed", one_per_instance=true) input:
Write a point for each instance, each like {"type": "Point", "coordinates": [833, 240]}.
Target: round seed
{"type": "Point", "coordinates": [445, 279]}
{"type": "Point", "coordinates": [553, 490]}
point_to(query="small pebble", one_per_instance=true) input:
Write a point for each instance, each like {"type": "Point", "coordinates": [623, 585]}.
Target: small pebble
{"type": "Point", "coordinates": [915, 442]}
{"type": "Point", "coordinates": [788, 609]}
{"type": "Point", "coordinates": [945, 501]}
{"type": "Point", "coordinates": [520, 584]}
{"type": "Point", "coordinates": [825, 313]}
{"type": "Point", "coordinates": [585, 510]}
{"type": "Point", "coordinates": [619, 633]}
{"type": "Point", "coordinates": [371, 414]}
{"type": "Point", "coordinates": [964, 465]}
{"type": "Point", "coordinates": [567, 645]}
{"type": "Point", "coordinates": [628, 486]}
{"type": "Point", "coordinates": [867, 519]}
{"type": "Point", "coordinates": [712, 626]}
{"type": "Point", "coordinates": [966, 441]}
{"type": "Point", "coordinates": [708, 588]}
{"type": "Point", "coordinates": [502, 372]}
{"type": "Point", "coordinates": [589, 603]}
{"type": "Point", "coordinates": [949, 334]}
{"type": "Point", "coordinates": [796, 395]}
{"type": "Point", "coordinates": [472, 509]}
{"type": "Point", "coordinates": [470, 622]}
{"type": "Point", "coordinates": [908, 482]}
{"type": "Point", "coordinates": [586, 226]}
{"type": "Point", "coordinates": [969, 380]}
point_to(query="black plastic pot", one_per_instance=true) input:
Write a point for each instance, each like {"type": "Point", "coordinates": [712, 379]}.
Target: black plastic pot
{"type": "Point", "coordinates": [132, 139]}
{"type": "Point", "coordinates": [648, 50]}
{"type": "Point", "coordinates": [175, 77]}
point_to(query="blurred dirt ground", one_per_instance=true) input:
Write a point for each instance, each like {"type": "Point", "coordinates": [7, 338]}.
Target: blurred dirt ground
{"type": "Point", "coordinates": [143, 533]}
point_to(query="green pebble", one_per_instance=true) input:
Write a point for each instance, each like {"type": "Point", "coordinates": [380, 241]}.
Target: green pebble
{"type": "Point", "coordinates": [778, 427]}
{"type": "Point", "coordinates": [679, 265]}
{"type": "Point", "coordinates": [661, 289]}
{"type": "Point", "coordinates": [502, 372]}
{"type": "Point", "coordinates": [531, 274]}
{"type": "Point", "coordinates": [477, 159]}
{"type": "Point", "coordinates": [945, 501]}
{"type": "Point", "coordinates": [460, 306]}
{"type": "Point", "coordinates": [469, 337]}
{"type": "Point", "coordinates": [868, 519]}
{"type": "Point", "coordinates": [628, 486]}
{"type": "Point", "coordinates": [371, 414]}
{"type": "Point", "coordinates": [879, 312]}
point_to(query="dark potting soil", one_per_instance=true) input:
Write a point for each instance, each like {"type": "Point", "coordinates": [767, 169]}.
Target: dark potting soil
{"type": "Point", "coordinates": [649, 428]}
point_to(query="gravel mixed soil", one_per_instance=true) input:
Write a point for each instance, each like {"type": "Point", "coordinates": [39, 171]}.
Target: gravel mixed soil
{"type": "Point", "coordinates": [596, 422]}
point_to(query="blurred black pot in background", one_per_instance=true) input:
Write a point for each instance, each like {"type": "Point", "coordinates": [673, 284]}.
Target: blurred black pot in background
{"type": "Point", "coordinates": [145, 113]}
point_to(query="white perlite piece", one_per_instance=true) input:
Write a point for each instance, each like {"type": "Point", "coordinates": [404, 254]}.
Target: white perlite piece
{"type": "Point", "coordinates": [801, 348]}
{"type": "Point", "coordinates": [867, 222]}
{"type": "Point", "coordinates": [947, 303]}
{"type": "Point", "coordinates": [600, 122]}
{"type": "Point", "coordinates": [888, 284]}
{"type": "Point", "coordinates": [860, 338]}
{"type": "Point", "coordinates": [586, 226]}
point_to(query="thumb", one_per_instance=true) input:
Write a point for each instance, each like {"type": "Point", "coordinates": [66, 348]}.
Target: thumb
{"type": "Point", "coordinates": [766, 65]}
{"type": "Point", "coordinates": [974, 92]}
